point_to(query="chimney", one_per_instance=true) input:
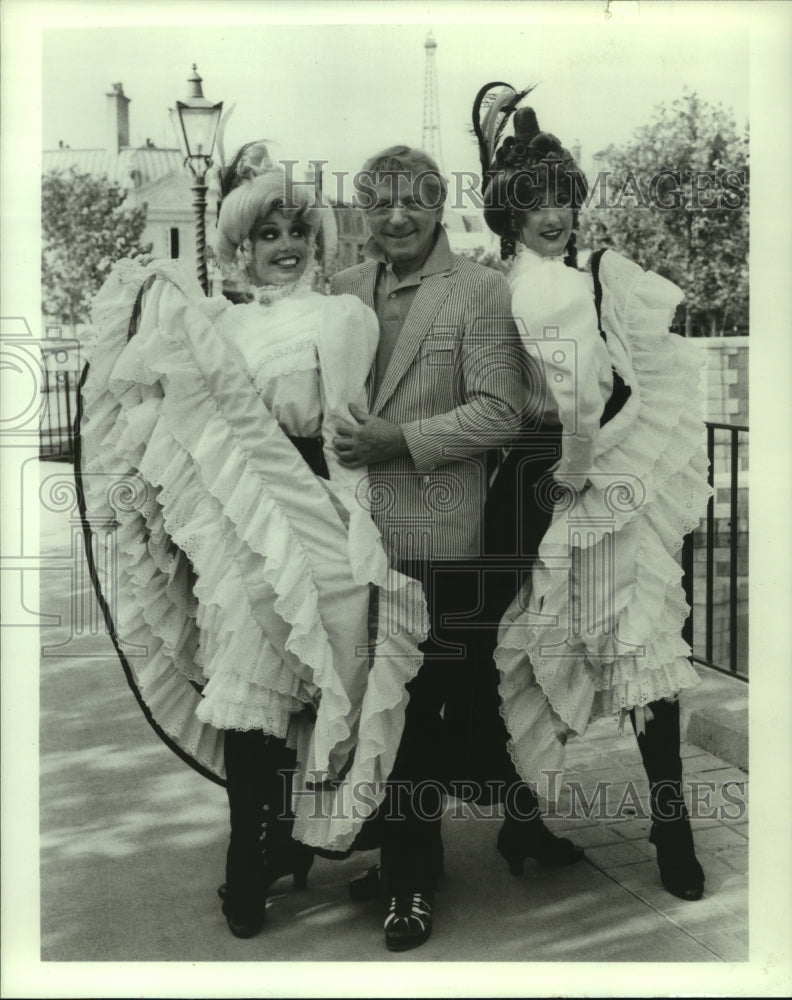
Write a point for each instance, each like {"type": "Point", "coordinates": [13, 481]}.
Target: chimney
{"type": "Point", "coordinates": [117, 118]}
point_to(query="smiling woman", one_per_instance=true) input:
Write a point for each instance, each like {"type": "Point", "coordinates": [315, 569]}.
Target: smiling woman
{"type": "Point", "coordinates": [281, 640]}
{"type": "Point", "coordinates": [266, 233]}
{"type": "Point", "coordinates": [622, 394]}
{"type": "Point", "coordinates": [281, 250]}
{"type": "Point", "coordinates": [546, 230]}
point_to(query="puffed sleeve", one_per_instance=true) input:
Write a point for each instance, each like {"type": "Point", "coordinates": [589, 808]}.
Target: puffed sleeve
{"type": "Point", "coordinates": [347, 345]}
{"type": "Point", "coordinates": [554, 310]}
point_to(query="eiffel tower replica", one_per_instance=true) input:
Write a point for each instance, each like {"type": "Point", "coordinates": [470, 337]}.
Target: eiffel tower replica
{"type": "Point", "coordinates": [430, 140]}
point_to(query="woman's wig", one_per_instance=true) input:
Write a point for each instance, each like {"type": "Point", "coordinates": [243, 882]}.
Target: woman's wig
{"type": "Point", "coordinates": [246, 207]}
{"type": "Point", "coordinates": [528, 170]}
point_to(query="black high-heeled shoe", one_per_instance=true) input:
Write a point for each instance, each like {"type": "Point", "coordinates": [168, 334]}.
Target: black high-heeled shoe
{"type": "Point", "coordinates": [297, 860]}
{"type": "Point", "coordinates": [680, 871]}
{"type": "Point", "coordinates": [518, 841]}
{"type": "Point", "coordinates": [244, 925]}
{"type": "Point", "coordinates": [244, 895]}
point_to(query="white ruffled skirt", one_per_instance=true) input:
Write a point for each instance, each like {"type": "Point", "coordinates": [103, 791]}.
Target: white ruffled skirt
{"type": "Point", "coordinates": [597, 628]}
{"type": "Point", "coordinates": [238, 572]}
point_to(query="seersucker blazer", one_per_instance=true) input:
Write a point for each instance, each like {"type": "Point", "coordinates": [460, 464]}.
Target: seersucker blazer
{"type": "Point", "coordinates": [454, 384]}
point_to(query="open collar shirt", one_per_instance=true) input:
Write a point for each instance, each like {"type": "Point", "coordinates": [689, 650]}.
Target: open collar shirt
{"type": "Point", "coordinates": [393, 297]}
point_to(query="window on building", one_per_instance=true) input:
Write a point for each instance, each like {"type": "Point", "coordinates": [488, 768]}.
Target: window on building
{"type": "Point", "coordinates": [174, 243]}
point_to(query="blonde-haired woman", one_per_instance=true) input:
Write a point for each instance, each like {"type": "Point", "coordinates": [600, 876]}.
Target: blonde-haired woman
{"type": "Point", "coordinates": [278, 637]}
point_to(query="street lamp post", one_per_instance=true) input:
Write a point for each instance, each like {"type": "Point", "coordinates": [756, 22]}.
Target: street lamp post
{"type": "Point", "coordinates": [195, 122]}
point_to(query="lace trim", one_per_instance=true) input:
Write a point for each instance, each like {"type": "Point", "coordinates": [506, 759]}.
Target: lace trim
{"type": "Point", "coordinates": [300, 356]}
{"type": "Point", "coordinates": [647, 489]}
{"type": "Point", "coordinates": [266, 295]}
{"type": "Point", "coordinates": [205, 455]}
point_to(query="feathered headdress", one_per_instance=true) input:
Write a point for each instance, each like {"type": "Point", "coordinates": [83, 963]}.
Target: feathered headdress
{"type": "Point", "coordinates": [502, 158]}
{"type": "Point", "coordinates": [251, 160]}
{"type": "Point", "coordinates": [494, 105]}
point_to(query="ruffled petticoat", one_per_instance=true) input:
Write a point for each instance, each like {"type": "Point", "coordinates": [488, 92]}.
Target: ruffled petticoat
{"type": "Point", "coordinates": [237, 569]}
{"type": "Point", "coordinates": [597, 629]}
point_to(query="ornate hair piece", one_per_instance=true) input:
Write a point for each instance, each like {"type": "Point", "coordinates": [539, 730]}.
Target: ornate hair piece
{"type": "Point", "coordinates": [220, 137]}
{"type": "Point", "coordinates": [531, 159]}
{"type": "Point", "coordinates": [250, 161]}
{"type": "Point", "coordinates": [495, 103]}
{"type": "Point", "coordinates": [527, 147]}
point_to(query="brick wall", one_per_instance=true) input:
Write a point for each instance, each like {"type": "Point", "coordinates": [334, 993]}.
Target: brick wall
{"type": "Point", "coordinates": [725, 378]}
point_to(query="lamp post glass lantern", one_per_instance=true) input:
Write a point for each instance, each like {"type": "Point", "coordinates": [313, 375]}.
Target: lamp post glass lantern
{"type": "Point", "coordinates": [195, 122]}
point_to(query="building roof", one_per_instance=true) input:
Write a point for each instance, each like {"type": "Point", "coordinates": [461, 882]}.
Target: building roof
{"type": "Point", "coordinates": [131, 167]}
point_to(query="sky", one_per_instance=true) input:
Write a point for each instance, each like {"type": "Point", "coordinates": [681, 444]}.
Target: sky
{"type": "Point", "coordinates": [342, 91]}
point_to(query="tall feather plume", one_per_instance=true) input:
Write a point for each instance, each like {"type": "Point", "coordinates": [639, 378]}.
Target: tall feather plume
{"type": "Point", "coordinates": [496, 102]}
{"type": "Point", "coordinates": [220, 138]}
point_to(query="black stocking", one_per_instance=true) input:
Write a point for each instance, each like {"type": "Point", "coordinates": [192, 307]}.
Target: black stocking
{"type": "Point", "coordinates": [671, 834]}
{"type": "Point", "coordinates": [256, 794]}
{"type": "Point", "coordinates": [659, 746]}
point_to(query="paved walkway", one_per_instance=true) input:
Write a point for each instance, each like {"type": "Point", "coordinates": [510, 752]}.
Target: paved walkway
{"type": "Point", "coordinates": [133, 842]}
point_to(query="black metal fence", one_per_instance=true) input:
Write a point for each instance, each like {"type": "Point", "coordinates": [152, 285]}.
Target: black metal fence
{"type": "Point", "coordinates": [60, 385]}
{"type": "Point", "coordinates": [716, 554]}
{"type": "Point", "coordinates": [714, 557]}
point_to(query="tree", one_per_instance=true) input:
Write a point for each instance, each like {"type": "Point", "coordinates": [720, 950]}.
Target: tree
{"type": "Point", "coordinates": [675, 200]}
{"type": "Point", "coordinates": [86, 229]}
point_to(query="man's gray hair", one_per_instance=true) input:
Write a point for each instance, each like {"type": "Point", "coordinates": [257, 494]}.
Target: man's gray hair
{"type": "Point", "coordinates": [397, 160]}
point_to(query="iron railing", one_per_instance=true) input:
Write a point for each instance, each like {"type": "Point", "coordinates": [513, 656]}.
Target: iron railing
{"type": "Point", "coordinates": [56, 432]}
{"type": "Point", "coordinates": [714, 535]}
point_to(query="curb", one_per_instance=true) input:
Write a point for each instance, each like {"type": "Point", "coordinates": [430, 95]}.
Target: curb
{"type": "Point", "coordinates": [715, 716]}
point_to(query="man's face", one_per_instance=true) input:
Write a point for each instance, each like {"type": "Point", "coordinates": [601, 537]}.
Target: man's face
{"type": "Point", "coordinates": [400, 223]}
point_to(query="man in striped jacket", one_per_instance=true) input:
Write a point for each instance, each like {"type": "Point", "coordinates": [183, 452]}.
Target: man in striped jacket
{"type": "Point", "coordinates": [445, 390]}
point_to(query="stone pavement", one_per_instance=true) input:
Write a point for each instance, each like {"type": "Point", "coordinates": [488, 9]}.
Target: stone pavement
{"type": "Point", "coordinates": [133, 842]}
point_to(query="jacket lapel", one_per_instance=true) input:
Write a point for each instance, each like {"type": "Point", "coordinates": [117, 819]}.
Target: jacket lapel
{"type": "Point", "coordinates": [423, 311]}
